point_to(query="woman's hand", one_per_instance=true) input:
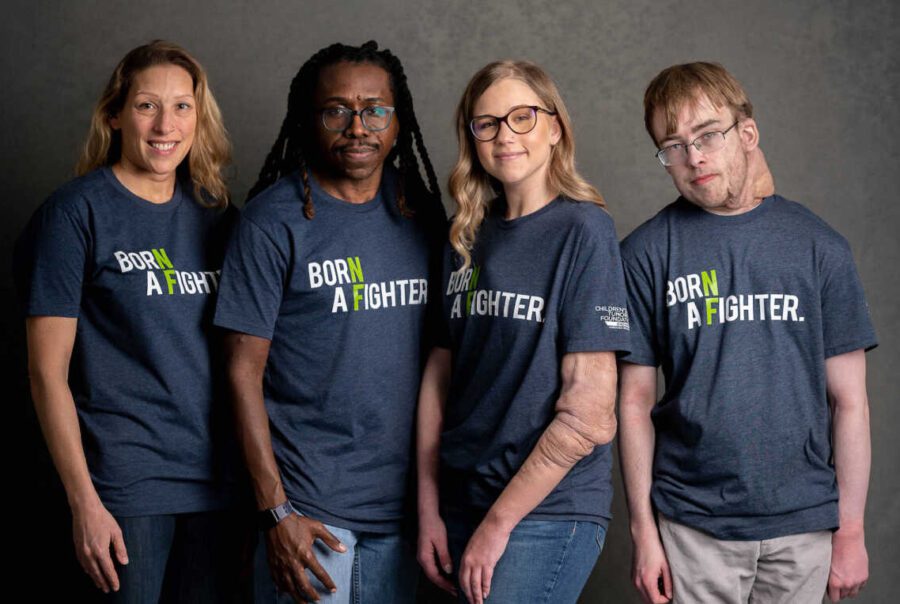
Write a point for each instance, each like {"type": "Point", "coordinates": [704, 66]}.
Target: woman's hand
{"type": "Point", "coordinates": [480, 558]}
{"type": "Point", "coordinates": [432, 550]}
{"type": "Point", "coordinates": [95, 531]}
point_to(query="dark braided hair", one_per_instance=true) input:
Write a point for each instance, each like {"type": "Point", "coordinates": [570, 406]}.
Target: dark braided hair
{"type": "Point", "coordinates": [296, 139]}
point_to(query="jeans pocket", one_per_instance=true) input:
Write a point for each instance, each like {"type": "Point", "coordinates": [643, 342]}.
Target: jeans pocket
{"type": "Point", "coordinates": [601, 536]}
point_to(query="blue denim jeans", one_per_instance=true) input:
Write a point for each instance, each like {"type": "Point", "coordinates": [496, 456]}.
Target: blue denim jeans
{"type": "Point", "coordinates": [376, 568]}
{"type": "Point", "coordinates": [197, 557]}
{"type": "Point", "coordinates": [545, 560]}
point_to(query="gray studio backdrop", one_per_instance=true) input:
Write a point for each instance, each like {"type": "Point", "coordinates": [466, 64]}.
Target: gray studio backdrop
{"type": "Point", "coordinates": [823, 77]}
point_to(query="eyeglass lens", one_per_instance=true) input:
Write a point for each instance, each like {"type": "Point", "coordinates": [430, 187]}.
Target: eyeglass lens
{"type": "Point", "coordinates": [520, 121]}
{"type": "Point", "coordinates": [373, 118]}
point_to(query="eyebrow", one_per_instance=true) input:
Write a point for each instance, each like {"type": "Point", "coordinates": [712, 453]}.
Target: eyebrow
{"type": "Point", "coordinates": [508, 111]}
{"type": "Point", "coordinates": [694, 130]}
{"type": "Point", "coordinates": [345, 100]}
{"type": "Point", "coordinates": [153, 94]}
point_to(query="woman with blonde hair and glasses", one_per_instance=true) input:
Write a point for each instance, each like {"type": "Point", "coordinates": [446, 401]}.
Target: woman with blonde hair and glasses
{"type": "Point", "coordinates": [118, 272]}
{"type": "Point", "coordinates": [517, 410]}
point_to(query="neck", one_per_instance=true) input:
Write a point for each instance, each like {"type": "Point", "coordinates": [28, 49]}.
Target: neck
{"type": "Point", "coordinates": [521, 201]}
{"type": "Point", "coordinates": [735, 206]}
{"type": "Point", "coordinates": [349, 190]}
{"type": "Point", "coordinates": [155, 189]}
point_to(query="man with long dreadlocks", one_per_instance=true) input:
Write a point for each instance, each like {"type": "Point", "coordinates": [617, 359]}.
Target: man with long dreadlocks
{"type": "Point", "coordinates": [325, 291]}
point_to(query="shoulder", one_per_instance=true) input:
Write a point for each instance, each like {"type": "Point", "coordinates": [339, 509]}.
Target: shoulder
{"type": "Point", "coordinates": [805, 223]}
{"type": "Point", "coordinates": [280, 202]}
{"type": "Point", "coordinates": [649, 236]}
{"type": "Point", "coordinates": [78, 195]}
{"type": "Point", "coordinates": [588, 218]}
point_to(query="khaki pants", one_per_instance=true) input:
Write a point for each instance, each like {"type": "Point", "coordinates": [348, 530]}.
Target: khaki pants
{"type": "Point", "coordinates": [705, 570]}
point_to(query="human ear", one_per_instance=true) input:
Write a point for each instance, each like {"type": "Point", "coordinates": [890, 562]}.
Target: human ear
{"type": "Point", "coordinates": [749, 134]}
{"type": "Point", "coordinates": [555, 131]}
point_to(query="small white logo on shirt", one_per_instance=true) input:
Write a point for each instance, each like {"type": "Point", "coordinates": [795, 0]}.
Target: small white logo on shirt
{"type": "Point", "coordinates": [615, 317]}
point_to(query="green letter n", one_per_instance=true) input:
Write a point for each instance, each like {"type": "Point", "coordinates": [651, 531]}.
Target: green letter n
{"type": "Point", "coordinates": [710, 283]}
{"type": "Point", "coordinates": [162, 258]}
{"type": "Point", "coordinates": [356, 274]}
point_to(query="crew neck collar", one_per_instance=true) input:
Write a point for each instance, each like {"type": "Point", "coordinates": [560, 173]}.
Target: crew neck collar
{"type": "Point", "coordinates": [166, 206]}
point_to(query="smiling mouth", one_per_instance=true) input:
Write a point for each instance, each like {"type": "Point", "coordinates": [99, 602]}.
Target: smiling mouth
{"type": "Point", "coordinates": [163, 146]}
{"type": "Point", "coordinates": [508, 156]}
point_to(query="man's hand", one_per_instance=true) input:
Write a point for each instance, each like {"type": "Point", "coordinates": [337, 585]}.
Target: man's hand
{"type": "Point", "coordinates": [849, 565]}
{"type": "Point", "coordinates": [650, 569]}
{"type": "Point", "coordinates": [290, 552]}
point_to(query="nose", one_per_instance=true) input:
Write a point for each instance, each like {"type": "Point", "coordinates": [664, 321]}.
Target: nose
{"type": "Point", "coordinates": [695, 157]}
{"type": "Point", "coordinates": [164, 121]}
{"type": "Point", "coordinates": [504, 132]}
{"type": "Point", "coordinates": [355, 128]}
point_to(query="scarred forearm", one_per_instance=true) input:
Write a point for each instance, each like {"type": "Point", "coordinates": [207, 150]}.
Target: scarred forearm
{"type": "Point", "coordinates": [585, 418]}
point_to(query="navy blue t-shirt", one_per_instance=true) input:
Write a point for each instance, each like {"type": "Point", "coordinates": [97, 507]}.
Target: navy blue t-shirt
{"type": "Point", "coordinates": [342, 297]}
{"type": "Point", "coordinates": [141, 279]}
{"type": "Point", "coordinates": [539, 287]}
{"type": "Point", "coordinates": [741, 313]}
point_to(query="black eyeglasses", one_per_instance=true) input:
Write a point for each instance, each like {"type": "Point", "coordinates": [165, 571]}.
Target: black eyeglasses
{"type": "Point", "coordinates": [707, 142]}
{"type": "Point", "coordinates": [520, 120]}
{"type": "Point", "coordinates": [374, 118]}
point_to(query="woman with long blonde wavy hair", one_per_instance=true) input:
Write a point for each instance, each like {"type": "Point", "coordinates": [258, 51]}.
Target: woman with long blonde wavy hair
{"type": "Point", "coordinates": [516, 409]}
{"type": "Point", "coordinates": [118, 272]}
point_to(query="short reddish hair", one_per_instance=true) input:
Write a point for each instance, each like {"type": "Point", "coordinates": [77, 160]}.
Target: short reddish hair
{"type": "Point", "coordinates": [679, 85]}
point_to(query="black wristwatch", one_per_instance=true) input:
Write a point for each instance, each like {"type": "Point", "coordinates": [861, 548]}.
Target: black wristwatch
{"type": "Point", "coordinates": [269, 518]}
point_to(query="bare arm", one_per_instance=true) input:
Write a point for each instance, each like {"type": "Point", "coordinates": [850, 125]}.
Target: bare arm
{"type": "Point", "coordinates": [585, 417]}
{"type": "Point", "coordinates": [432, 546]}
{"type": "Point", "coordinates": [50, 342]}
{"type": "Point", "coordinates": [637, 441]}
{"type": "Point", "coordinates": [845, 376]}
{"type": "Point", "coordinates": [291, 541]}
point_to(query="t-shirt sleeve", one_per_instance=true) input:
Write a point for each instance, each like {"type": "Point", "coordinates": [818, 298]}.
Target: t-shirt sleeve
{"type": "Point", "coordinates": [593, 315]}
{"type": "Point", "coordinates": [641, 311]}
{"type": "Point", "coordinates": [252, 282]}
{"type": "Point", "coordinates": [846, 324]}
{"type": "Point", "coordinates": [49, 262]}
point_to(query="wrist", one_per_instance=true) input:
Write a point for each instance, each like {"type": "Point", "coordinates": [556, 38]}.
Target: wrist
{"type": "Point", "coordinates": [498, 521]}
{"type": "Point", "coordinates": [83, 502]}
{"type": "Point", "coordinates": [643, 529]}
{"type": "Point", "coordinates": [850, 530]}
{"type": "Point", "coordinates": [272, 517]}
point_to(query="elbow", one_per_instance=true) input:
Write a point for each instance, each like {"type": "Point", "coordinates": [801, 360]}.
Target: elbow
{"type": "Point", "coordinates": [569, 439]}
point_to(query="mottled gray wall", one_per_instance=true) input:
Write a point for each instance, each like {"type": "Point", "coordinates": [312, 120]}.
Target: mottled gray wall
{"type": "Point", "coordinates": [823, 76]}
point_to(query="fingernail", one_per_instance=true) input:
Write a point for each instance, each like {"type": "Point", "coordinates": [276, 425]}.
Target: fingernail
{"type": "Point", "coordinates": [342, 547]}
{"type": "Point", "coordinates": [448, 568]}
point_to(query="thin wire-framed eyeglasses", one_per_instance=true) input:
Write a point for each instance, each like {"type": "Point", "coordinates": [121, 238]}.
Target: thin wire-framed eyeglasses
{"type": "Point", "coordinates": [707, 142]}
